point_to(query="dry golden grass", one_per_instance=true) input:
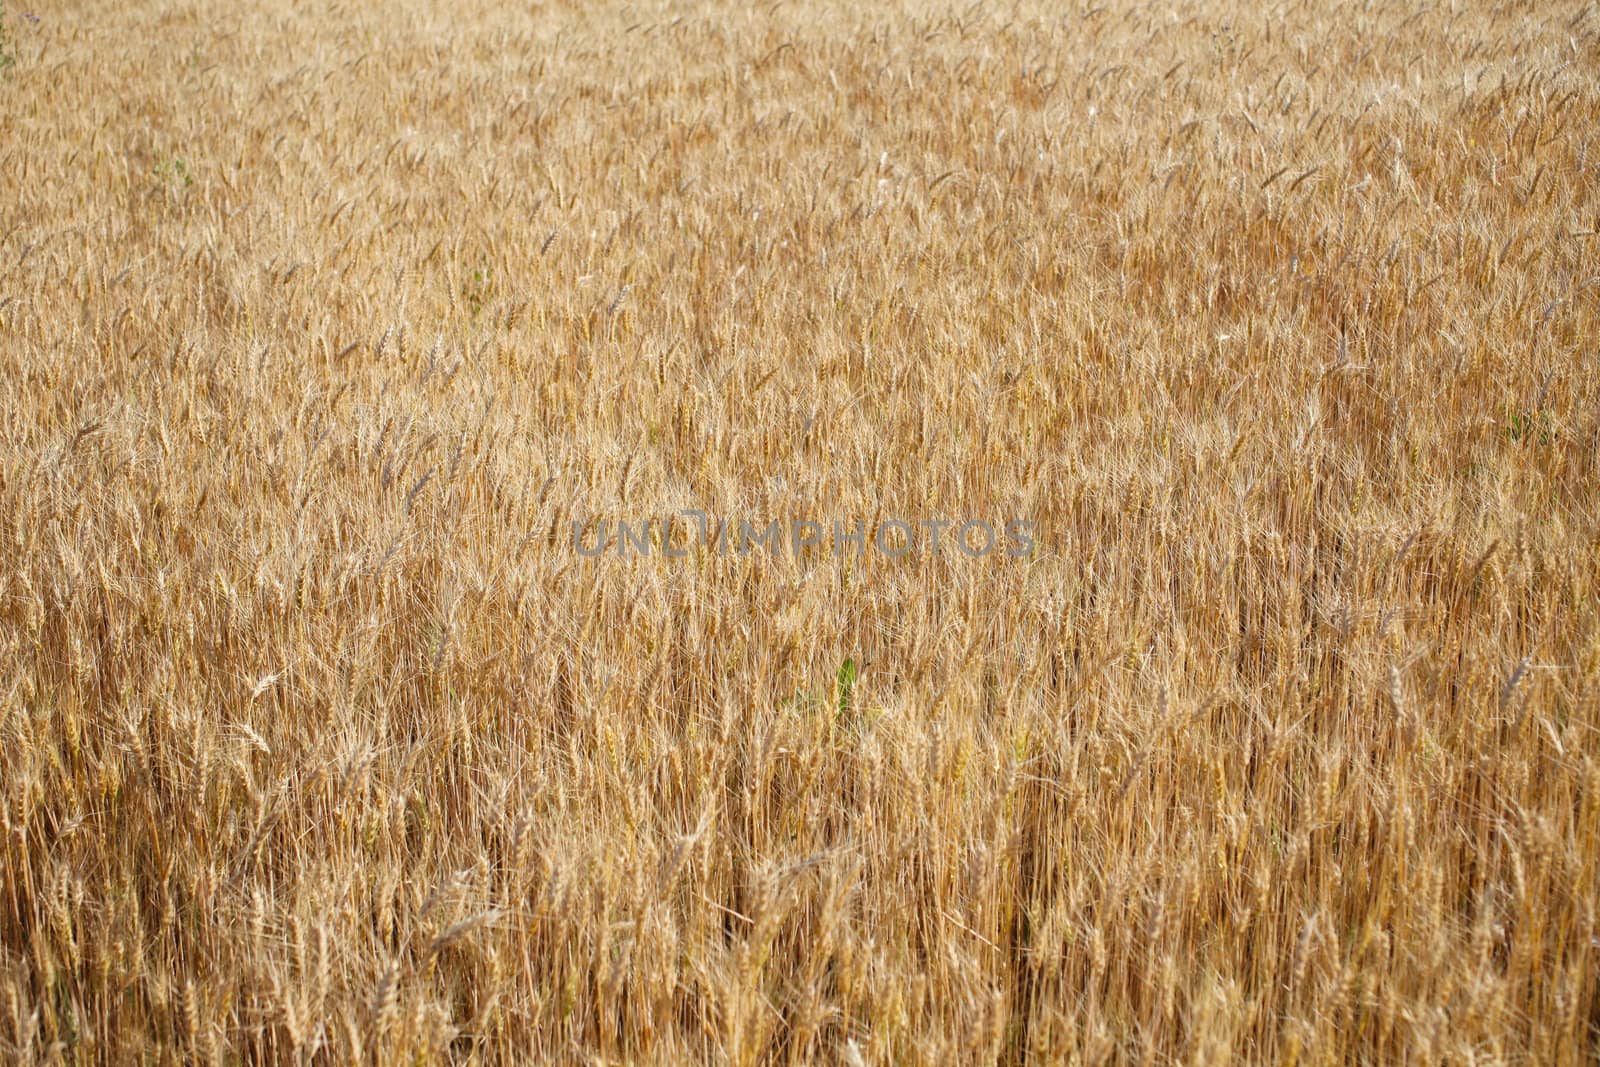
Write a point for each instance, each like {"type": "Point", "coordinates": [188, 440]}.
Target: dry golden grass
{"type": "Point", "coordinates": [320, 325]}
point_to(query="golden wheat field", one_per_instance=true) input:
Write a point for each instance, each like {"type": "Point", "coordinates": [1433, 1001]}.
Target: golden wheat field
{"type": "Point", "coordinates": [388, 671]}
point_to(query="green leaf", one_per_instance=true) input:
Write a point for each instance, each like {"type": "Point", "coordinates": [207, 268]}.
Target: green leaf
{"type": "Point", "coordinates": [846, 680]}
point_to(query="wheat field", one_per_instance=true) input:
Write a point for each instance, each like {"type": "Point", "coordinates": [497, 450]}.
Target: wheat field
{"type": "Point", "coordinates": [327, 329]}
